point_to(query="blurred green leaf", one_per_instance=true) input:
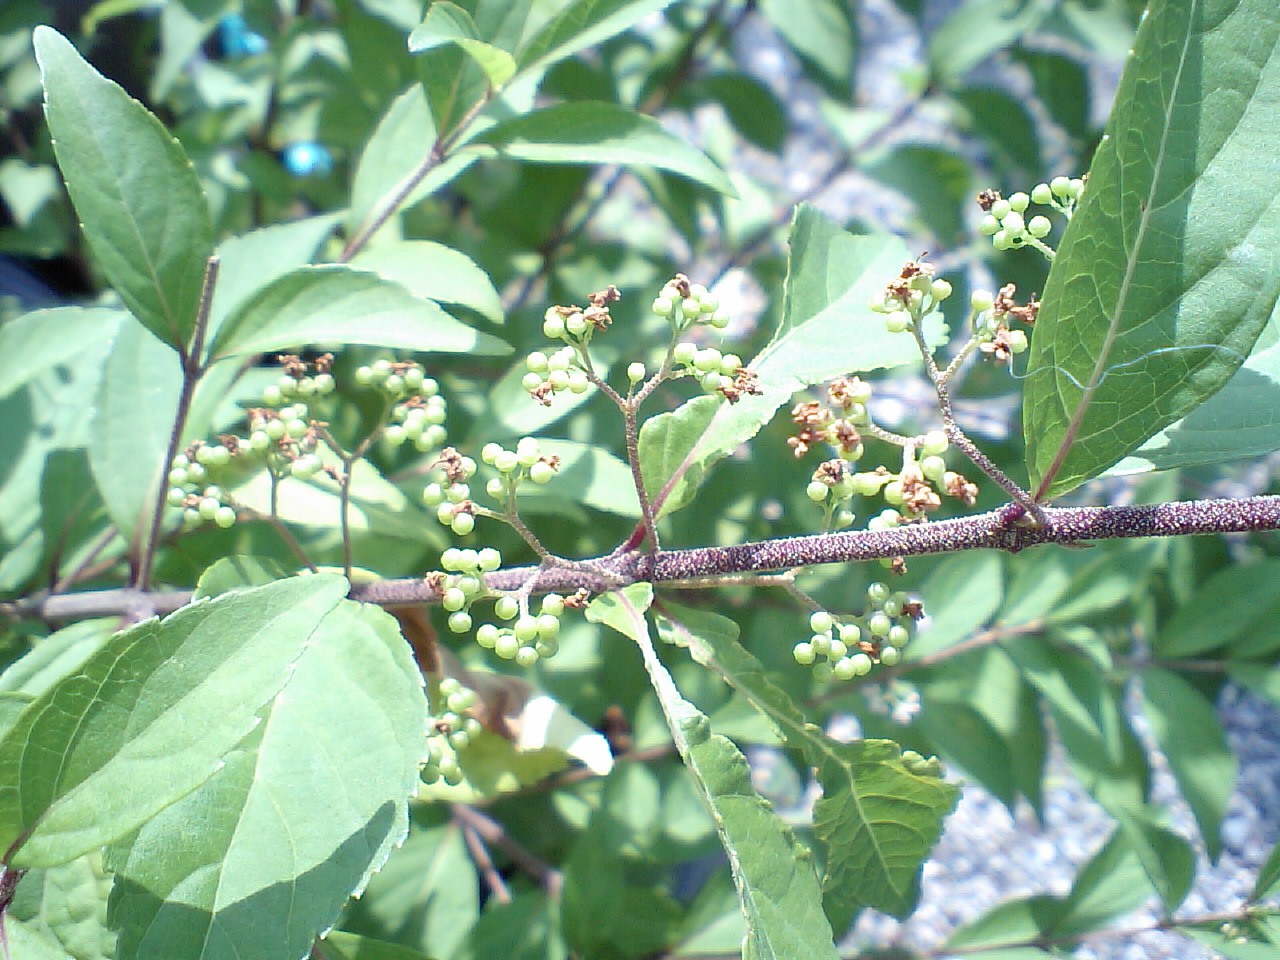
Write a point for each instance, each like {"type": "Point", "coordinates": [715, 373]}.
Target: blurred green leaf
{"type": "Point", "coordinates": [138, 198]}
{"type": "Point", "coordinates": [750, 105]}
{"type": "Point", "coordinates": [1251, 593]}
{"type": "Point", "coordinates": [448, 24]}
{"type": "Point", "coordinates": [823, 32]}
{"type": "Point", "coordinates": [592, 133]}
{"type": "Point", "coordinates": [148, 718]}
{"type": "Point", "coordinates": [36, 342]}
{"type": "Point", "coordinates": [1169, 270]}
{"type": "Point", "coordinates": [340, 945]}
{"type": "Point", "coordinates": [579, 24]}
{"type": "Point", "coordinates": [1187, 728]}
{"type": "Point", "coordinates": [975, 29]}
{"type": "Point", "coordinates": [1268, 876]}
{"type": "Point", "coordinates": [335, 305]}
{"type": "Point", "coordinates": [968, 591]}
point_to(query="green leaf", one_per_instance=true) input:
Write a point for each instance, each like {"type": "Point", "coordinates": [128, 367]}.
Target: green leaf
{"type": "Point", "coordinates": [398, 149]}
{"type": "Point", "coordinates": [1251, 593]}
{"type": "Point", "coordinates": [335, 304]}
{"type": "Point", "coordinates": [590, 133]}
{"type": "Point", "coordinates": [132, 418]}
{"type": "Point", "coordinates": [67, 904]}
{"type": "Point", "coordinates": [148, 718]}
{"type": "Point", "coordinates": [249, 262]}
{"type": "Point", "coordinates": [1169, 269]}
{"type": "Point", "coordinates": [750, 105]}
{"type": "Point", "coordinates": [1241, 420]}
{"type": "Point", "coordinates": [964, 593]}
{"type": "Point", "coordinates": [136, 194]}
{"type": "Point", "coordinates": [340, 945]}
{"type": "Point", "coordinates": [1187, 728]}
{"type": "Point", "coordinates": [774, 874]}
{"type": "Point", "coordinates": [877, 820]}
{"type": "Point", "coordinates": [826, 331]}
{"type": "Point", "coordinates": [434, 272]}
{"type": "Point", "coordinates": [55, 656]}
{"type": "Point", "coordinates": [587, 475]}
{"type": "Point", "coordinates": [823, 32]}
{"type": "Point", "coordinates": [580, 24]}
{"type": "Point", "coordinates": [299, 817]}
{"type": "Point", "coordinates": [1110, 885]}
{"type": "Point", "coordinates": [1166, 858]}
{"type": "Point", "coordinates": [956, 47]}
{"type": "Point", "coordinates": [447, 24]}
{"type": "Point", "coordinates": [1268, 881]}
{"type": "Point", "coordinates": [427, 896]}
{"type": "Point", "coordinates": [938, 182]}
{"type": "Point", "coordinates": [37, 342]}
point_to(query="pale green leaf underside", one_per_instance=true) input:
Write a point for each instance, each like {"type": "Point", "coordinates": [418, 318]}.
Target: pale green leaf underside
{"type": "Point", "coordinates": [305, 809]}
{"type": "Point", "coordinates": [776, 881]}
{"type": "Point", "coordinates": [338, 305]}
{"type": "Point", "coordinates": [37, 342]}
{"type": "Point", "coordinates": [877, 821]}
{"type": "Point", "coordinates": [148, 717]}
{"type": "Point", "coordinates": [135, 192]}
{"type": "Point", "coordinates": [1171, 266]}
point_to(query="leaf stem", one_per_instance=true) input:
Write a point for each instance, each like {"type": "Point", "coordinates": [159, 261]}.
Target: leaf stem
{"type": "Point", "coordinates": [193, 368]}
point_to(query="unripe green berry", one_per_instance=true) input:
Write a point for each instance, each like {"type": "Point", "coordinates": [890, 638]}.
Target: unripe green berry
{"type": "Point", "coordinates": [559, 379]}
{"type": "Point", "coordinates": [553, 327]}
{"type": "Point", "coordinates": [729, 364]}
{"type": "Point", "coordinates": [898, 635]}
{"type": "Point", "coordinates": [868, 484]}
{"type": "Point", "coordinates": [394, 435]}
{"type": "Point", "coordinates": [531, 381]}
{"type": "Point", "coordinates": [892, 607]}
{"type": "Point", "coordinates": [578, 382]}
{"type": "Point", "coordinates": [553, 604]}
{"type": "Point", "coordinates": [487, 635]}
{"type": "Point", "coordinates": [506, 461]}
{"type": "Point", "coordinates": [506, 646]}
{"type": "Point", "coordinates": [804, 653]}
{"type": "Point", "coordinates": [541, 472]}
{"type": "Point", "coordinates": [451, 559]}
{"type": "Point", "coordinates": [711, 382]}
{"type": "Point", "coordinates": [690, 308]}
{"type": "Point", "coordinates": [850, 633]}
{"type": "Point", "coordinates": [178, 477]}
{"type": "Point", "coordinates": [394, 385]}
{"type": "Point", "coordinates": [526, 657]}
{"type": "Point", "coordinates": [453, 599]}
{"type": "Point", "coordinates": [433, 495]}
{"type": "Point", "coordinates": [457, 492]}
{"type": "Point", "coordinates": [451, 773]}
{"type": "Point", "coordinates": [890, 656]}
{"type": "Point", "coordinates": [893, 492]}
{"type": "Point", "coordinates": [176, 497]}
{"type": "Point", "coordinates": [878, 592]}
{"type": "Point", "coordinates": [460, 621]}
{"type": "Point", "coordinates": [981, 301]}
{"type": "Point", "coordinates": [940, 289]}
{"type": "Point", "coordinates": [306, 466]}
{"type": "Point", "coordinates": [1000, 209]}
{"type": "Point", "coordinates": [820, 621]}
{"type": "Point", "coordinates": [490, 559]}
{"type": "Point", "coordinates": [526, 629]}
{"type": "Point", "coordinates": [707, 360]}
{"type": "Point", "coordinates": [1039, 227]}
{"type": "Point", "coordinates": [817, 491]}
{"type": "Point", "coordinates": [432, 438]}
{"type": "Point", "coordinates": [879, 624]}
{"type": "Point", "coordinates": [1002, 240]}
{"type": "Point", "coordinates": [363, 377]}
{"type": "Point", "coordinates": [463, 524]}
{"type": "Point", "coordinates": [489, 452]}
{"type": "Point", "coordinates": [576, 324]}
{"type": "Point", "coordinates": [844, 669]}
{"type": "Point", "coordinates": [191, 519]}
{"type": "Point", "coordinates": [661, 306]}
{"type": "Point", "coordinates": [988, 225]}
{"type": "Point", "coordinates": [274, 429]}
{"type": "Point", "coordinates": [1019, 201]}
{"type": "Point", "coordinates": [259, 441]}
{"type": "Point", "coordinates": [861, 664]}
{"type": "Point", "coordinates": [1041, 193]}
{"type": "Point", "coordinates": [196, 473]}
{"type": "Point", "coordinates": [897, 322]}
{"type": "Point", "coordinates": [225, 517]}
{"type": "Point", "coordinates": [506, 607]}
{"type": "Point", "coordinates": [635, 372]}
{"type": "Point", "coordinates": [935, 442]}
{"type": "Point", "coordinates": [1017, 340]}
{"type": "Point", "coordinates": [934, 468]}
{"type": "Point", "coordinates": [272, 396]}
{"type": "Point", "coordinates": [208, 508]}
{"type": "Point", "coordinates": [547, 647]}
{"type": "Point", "coordinates": [495, 487]}
{"type": "Point", "coordinates": [719, 320]}
{"type": "Point", "coordinates": [836, 649]}
{"type": "Point", "coordinates": [684, 352]}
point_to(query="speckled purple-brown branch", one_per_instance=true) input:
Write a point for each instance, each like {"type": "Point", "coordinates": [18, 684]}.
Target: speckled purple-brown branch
{"type": "Point", "coordinates": [1002, 529]}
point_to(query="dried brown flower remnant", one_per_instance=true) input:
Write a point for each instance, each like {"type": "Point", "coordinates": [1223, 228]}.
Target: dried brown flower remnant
{"type": "Point", "coordinates": [986, 198]}
{"type": "Point", "coordinates": [846, 391]}
{"type": "Point", "coordinates": [1006, 306]}
{"type": "Point", "coordinates": [845, 436]}
{"type": "Point", "coordinates": [744, 381]}
{"type": "Point", "coordinates": [830, 473]}
{"type": "Point", "coordinates": [960, 488]}
{"type": "Point", "coordinates": [452, 462]}
{"type": "Point", "coordinates": [814, 419]}
{"type": "Point", "coordinates": [918, 497]}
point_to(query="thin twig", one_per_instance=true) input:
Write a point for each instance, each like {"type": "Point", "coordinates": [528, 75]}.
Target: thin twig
{"type": "Point", "coordinates": [193, 368]}
{"type": "Point", "coordinates": [484, 864]}
{"type": "Point", "coordinates": [494, 834]}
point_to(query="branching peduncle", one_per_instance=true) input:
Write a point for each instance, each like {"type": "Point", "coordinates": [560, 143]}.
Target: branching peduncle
{"type": "Point", "coordinates": [193, 368]}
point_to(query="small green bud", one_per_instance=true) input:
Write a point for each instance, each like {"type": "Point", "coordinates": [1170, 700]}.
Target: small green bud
{"type": "Point", "coordinates": [878, 592]}
{"type": "Point", "coordinates": [981, 301]}
{"type": "Point", "coordinates": [553, 604]}
{"type": "Point", "coordinates": [1017, 341]}
{"type": "Point", "coordinates": [635, 372]}
{"type": "Point", "coordinates": [453, 599]}
{"type": "Point", "coordinates": [897, 322]}
{"type": "Point", "coordinates": [803, 653]}
{"type": "Point", "coordinates": [1039, 227]}
{"type": "Point", "coordinates": [541, 472]}
{"type": "Point", "coordinates": [1000, 209]}
{"type": "Point", "coordinates": [879, 624]}
{"type": "Point", "coordinates": [576, 324]}
{"type": "Point", "coordinates": [661, 306]}
{"type": "Point", "coordinates": [1041, 193]}
{"type": "Point", "coordinates": [225, 517]}
{"type": "Point", "coordinates": [861, 664]}
{"type": "Point", "coordinates": [490, 559]}
{"type": "Point", "coordinates": [526, 629]}
{"type": "Point", "coordinates": [506, 607]}
{"type": "Point", "coordinates": [935, 442]}
{"type": "Point", "coordinates": [553, 327]}
{"type": "Point", "coordinates": [1061, 187]}
{"type": "Point", "coordinates": [684, 352]}
{"type": "Point", "coordinates": [850, 633]}
{"type": "Point", "coordinates": [531, 381]}
{"type": "Point", "coordinates": [1014, 222]}
{"type": "Point", "coordinates": [507, 646]}
{"type": "Point", "coordinates": [460, 621]}
{"type": "Point", "coordinates": [890, 656]}
{"type": "Point", "coordinates": [820, 621]}
{"type": "Point", "coordinates": [487, 635]}
{"type": "Point", "coordinates": [988, 225]}
{"type": "Point", "coordinates": [1019, 202]}
{"type": "Point", "coordinates": [817, 491]}
{"type": "Point", "coordinates": [940, 289]}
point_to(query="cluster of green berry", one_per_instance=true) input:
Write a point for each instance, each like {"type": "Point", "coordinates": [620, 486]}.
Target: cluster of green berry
{"type": "Point", "coordinates": [450, 730]}
{"type": "Point", "coordinates": [849, 647]}
{"type": "Point", "coordinates": [300, 380]}
{"type": "Point", "coordinates": [715, 371]}
{"type": "Point", "coordinates": [549, 374]}
{"type": "Point", "coordinates": [190, 489]}
{"type": "Point", "coordinates": [910, 297]}
{"type": "Point", "coordinates": [682, 304]}
{"type": "Point", "coordinates": [529, 638]}
{"type": "Point", "coordinates": [1005, 220]}
{"type": "Point", "coordinates": [513, 466]}
{"type": "Point", "coordinates": [450, 494]}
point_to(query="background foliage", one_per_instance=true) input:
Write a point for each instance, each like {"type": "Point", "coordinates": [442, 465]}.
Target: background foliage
{"type": "Point", "coordinates": [383, 178]}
